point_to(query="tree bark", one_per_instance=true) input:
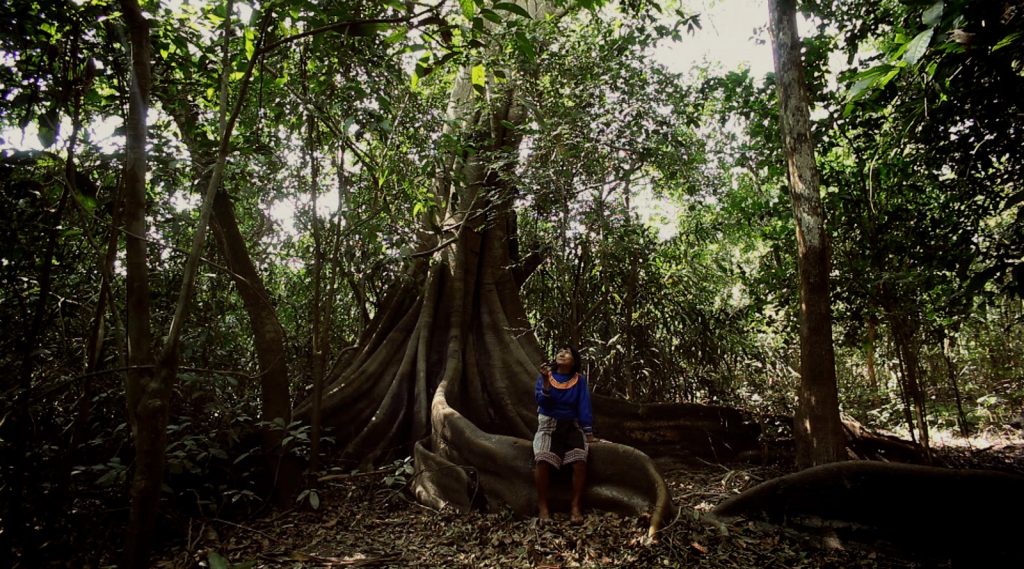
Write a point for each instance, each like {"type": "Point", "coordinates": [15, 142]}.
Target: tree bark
{"type": "Point", "coordinates": [448, 363]}
{"type": "Point", "coordinates": [947, 357]}
{"type": "Point", "coordinates": [268, 335]}
{"type": "Point", "coordinates": [317, 339]}
{"type": "Point", "coordinates": [148, 436]}
{"type": "Point", "coordinates": [904, 330]}
{"type": "Point", "coordinates": [870, 350]}
{"type": "Point", "coordinates": [150, 379]}
{"type": "Point", "coordinates": [818, 430]}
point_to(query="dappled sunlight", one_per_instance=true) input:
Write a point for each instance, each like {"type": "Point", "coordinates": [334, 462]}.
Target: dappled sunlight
{"type": "Point", "coordinates": [334, 360]}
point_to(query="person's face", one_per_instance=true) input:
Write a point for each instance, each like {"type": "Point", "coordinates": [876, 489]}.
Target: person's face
{"type": "Point", "coordinates": [564, 358]}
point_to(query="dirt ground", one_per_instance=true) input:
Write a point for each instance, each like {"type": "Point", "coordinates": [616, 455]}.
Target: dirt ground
{"type": "Point", "coordinates": [371, 521]}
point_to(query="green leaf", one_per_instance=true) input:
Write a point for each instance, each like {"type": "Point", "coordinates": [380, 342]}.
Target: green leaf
{"type": "Point", "coordinates": [397, 36]}
{"type": "Point", "coordinates": [217, 561]}
{"type": "Point", "coordinates": [88, 203]}
{"type": "Point", "coordinates": [858, 89]}
{"type": "Point", "coordinates": [490, 15]}
{"type": "Point", "coordinates": [250, 45]}
{"type": "Point", "coordinates": [314, 500]}
{"type": "Point", "coordinates": [918, 46]}
{"type": "Point", "coordinates": [933, 15]}
{"type": "Point", "coordinates": [1007, 40]}
{"type": "Point", "coordinates": [479, 75]}
{"type": "Point", "coordinates": [514, 8]}
{"type": "Point", "coordinates": [888, 77]}
{"type": "Point", "coordinates": [525, 46]}
{"type": "Point", "coordinates": [468, 8]}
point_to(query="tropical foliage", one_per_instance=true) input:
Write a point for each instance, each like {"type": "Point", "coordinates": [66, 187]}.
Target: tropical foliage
{"type": "Point", "coordinates": [653, 205]}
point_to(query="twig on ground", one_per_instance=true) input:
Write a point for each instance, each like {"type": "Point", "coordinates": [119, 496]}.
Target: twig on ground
{"type": "Point", "coordinates": [722, 466]}
{"type": "Point", "coordinates": [253, 530]}
{"type": "Point", "coordinates": [356, 475]}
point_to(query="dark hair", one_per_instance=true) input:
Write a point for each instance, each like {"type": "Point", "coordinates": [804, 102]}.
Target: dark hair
{"type": "Point", "coordinates": [577, 364]}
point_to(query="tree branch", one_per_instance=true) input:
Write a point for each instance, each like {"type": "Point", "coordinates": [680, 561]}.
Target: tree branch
{"type": "Point", "coordinates": [192, 265]}
{"type": "Point", "coordinates": [335, 27]}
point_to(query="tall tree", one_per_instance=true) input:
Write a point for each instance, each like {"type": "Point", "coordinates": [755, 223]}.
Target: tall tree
{"type": "Point", "coordinates": [147, 402]}
{"type": "Point", "coordinates": [152, 376]}
{"type": "Point", "coordinates": [449, 361]}
{"type": "Point", "coordinates": [818, 429]}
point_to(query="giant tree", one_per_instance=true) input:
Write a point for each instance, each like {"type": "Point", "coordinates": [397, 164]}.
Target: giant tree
{"type": "Point", "coordinates": [448, 362]}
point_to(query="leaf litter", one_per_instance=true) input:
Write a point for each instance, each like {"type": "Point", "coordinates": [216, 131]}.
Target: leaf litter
{"type": "Point", "coordinates": [363, 522]}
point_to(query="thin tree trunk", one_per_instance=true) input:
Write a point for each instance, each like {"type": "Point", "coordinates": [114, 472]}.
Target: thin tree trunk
{"type": "Point", "coordinates": [947, 357]}
{"type": "Point", "coordinates": [268, 335]}
{"type": "Point", "coordinates": [818, 429]}
{"type": "Point", "coordinates": [904, 331]}
{"type": "Point", "coordinates": [149, 447]}
{"type": "Point", "coordinates": [98, 327]}
{"type": "Point", "coordinates": [318, 341]}
{"type": "Point", "coordinates": [628, 308]}
{"type": "Point", "coordinates": [908, 412]}
{"type": "Point", "coordinates": [912, 357]}
{"type": "Point", "coordinates": [869, 350]}
{"type": "Point", "coordinates": [17, 427]}
{"type": "Point", "coordinates": [150, 382]}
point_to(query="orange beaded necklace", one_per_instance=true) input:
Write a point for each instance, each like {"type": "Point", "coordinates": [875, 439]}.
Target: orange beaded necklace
{"type": "Point", "coordinates": [560, 385]}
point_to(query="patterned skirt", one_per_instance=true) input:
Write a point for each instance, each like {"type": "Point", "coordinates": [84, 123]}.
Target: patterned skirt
{"type": "Point", "coordinates": [559, 441]}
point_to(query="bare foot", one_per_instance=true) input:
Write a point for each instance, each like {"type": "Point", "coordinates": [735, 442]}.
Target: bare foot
{"type": "Point", "coordinates": [576, 517]}
{"type": "Point", "coordinates": [543, 515]}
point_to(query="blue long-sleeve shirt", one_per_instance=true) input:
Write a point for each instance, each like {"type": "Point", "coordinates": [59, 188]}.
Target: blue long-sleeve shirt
{"type": "Point", "coordinates": [566, 404]}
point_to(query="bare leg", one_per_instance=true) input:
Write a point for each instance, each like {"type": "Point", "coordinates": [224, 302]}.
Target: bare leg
{"type": "Point", "coordinates": [542, 479]}
{"type": "Point", "coordinates": [579, 482]}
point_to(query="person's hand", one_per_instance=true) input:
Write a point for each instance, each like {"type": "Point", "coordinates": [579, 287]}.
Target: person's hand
{"type": "Point", "coordinates": [546, 372]}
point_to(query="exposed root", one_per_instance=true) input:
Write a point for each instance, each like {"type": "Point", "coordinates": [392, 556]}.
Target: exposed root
{"type": "Point", "coordinates": [620, 478]}
{"type": "Point", "coordinates": [944, 513]}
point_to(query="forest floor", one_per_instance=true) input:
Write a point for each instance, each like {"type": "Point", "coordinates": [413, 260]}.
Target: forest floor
{"type": "Point", "coordinates": [370, 521]}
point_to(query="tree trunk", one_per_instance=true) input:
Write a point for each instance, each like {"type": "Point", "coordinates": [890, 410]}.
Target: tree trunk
{"type": "Point", "coordinates": [268, 335]}
{"type": "Point", "coordinates": [17, 426]}
{"type": "Point", "coordinates": [947, 357]}
{"type": "Point", "coordinates": [449, 361]}
{"type": "Point", "coordinates": [628, 308]}
{"type": "Point", "coordinates": [143, 408]}
{"type": "Point", "coordinates": [150, 379]}
{"type": "Point", "coordinates": [904, 332]}
{"type": "Point", "coordinates": [818, 430]}
{"type": "Point", "coordinates": [317, 343]}
{"type": "Point", "coordinates": [869, 350]}
{"type": "Point", "coordinates": [908, 412]}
